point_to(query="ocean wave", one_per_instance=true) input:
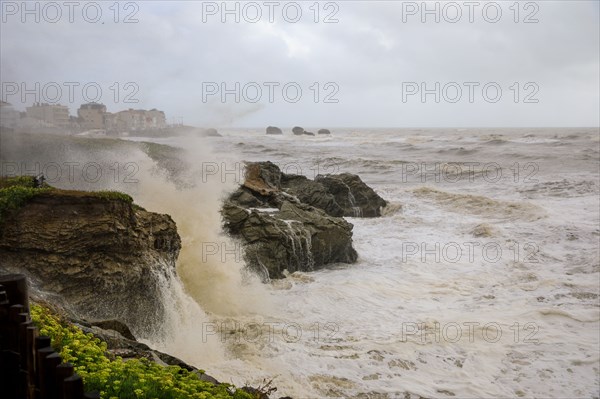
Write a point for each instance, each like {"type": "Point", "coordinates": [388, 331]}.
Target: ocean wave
{"type": "Point", "coordinates": [583, 316]}
{"type": "Point", "coordinates": [496, 142]}
{"type": "Point", "coordinates": [480, 205]}
{"type": "Point", "coordinates": [391, 209]}
{"type": "Point", "coordinates": [458, 151]}
{"type": "Point", "coordinates": [562, 188]}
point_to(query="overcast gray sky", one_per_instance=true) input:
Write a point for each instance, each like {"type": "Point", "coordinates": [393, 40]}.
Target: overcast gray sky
{"type": "Point", "coordinates": [373, 57]}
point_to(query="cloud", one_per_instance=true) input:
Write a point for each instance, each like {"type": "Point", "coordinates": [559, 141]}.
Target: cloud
{"type": "Point", "coordinates": [368, 54]}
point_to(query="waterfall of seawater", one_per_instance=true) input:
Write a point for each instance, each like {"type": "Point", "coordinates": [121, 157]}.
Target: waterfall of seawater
{"type": "Point", "coordinates": [301, 242]}
{"type": "Point", "coordinates": [208, 284]}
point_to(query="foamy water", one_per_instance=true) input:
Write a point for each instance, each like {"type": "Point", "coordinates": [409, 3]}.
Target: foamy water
{"type": "Point", "coordinates": [481, 279]}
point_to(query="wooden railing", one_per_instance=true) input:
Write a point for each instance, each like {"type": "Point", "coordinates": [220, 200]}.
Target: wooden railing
{"type": "Point", "coordinates": [29, 367]}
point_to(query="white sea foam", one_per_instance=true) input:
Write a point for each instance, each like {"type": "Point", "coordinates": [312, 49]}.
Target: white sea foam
{"type": "Point", "coordinates": [404, 321]}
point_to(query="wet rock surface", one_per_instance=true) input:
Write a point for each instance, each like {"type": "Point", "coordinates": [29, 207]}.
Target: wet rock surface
{"type": "Point", "coordinates": [289, 222]}
{"type": "Point", "coordinates": [103, 258]}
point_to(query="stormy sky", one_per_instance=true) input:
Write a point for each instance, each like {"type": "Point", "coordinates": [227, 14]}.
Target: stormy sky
{"type": "Point", "coordinates": [314, 64]}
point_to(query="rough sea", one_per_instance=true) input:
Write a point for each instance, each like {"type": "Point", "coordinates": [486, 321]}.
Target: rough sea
{"type": "Point", "coordinates": [480, 280]}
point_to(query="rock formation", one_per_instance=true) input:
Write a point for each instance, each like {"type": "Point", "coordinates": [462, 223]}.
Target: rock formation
{"type": "Point", "coordinates": [274, 130]}
{"type": "Point", "coordinates": [100, 256]}
{"type": "Point", "coordinates": [312, 193]}
{"type": "Point", "coordinates": [289, 222]}
{"type": "Point", "coordinates": [298, 131]}
{"type": "Point", "coordinates": [353, 195]}
{"type": "Point", "coordinates": [323, 131]}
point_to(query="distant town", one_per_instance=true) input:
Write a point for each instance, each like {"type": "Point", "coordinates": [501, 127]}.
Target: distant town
{"type": "Point", "coordinates": [91, 117]}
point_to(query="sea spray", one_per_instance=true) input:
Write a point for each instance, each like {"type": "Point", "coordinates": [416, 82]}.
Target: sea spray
{"type": "Point", "coordinates": [217, 281]}
{"type": "Point", "coordinates": [172, 181]}
{"type": "Point", "coordinates": [183, 331]}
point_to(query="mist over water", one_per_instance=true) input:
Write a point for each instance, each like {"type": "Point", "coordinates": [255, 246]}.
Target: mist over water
{"type": "Point", "coordinates": [459, 320]}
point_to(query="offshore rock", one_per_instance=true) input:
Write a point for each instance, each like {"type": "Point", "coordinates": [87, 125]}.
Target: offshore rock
{"type": "Point", "coordinates": [297, 237]}
{"type": "Point", "coordinates": [353, 195]}
{"type": "Point", "coordinates": [274, 130]}
{"type": "Point", "coordinates": [289, 222]}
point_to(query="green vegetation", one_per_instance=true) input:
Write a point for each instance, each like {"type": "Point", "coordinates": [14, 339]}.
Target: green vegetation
{"type": "Point", "coordinates": [15, 192]}
{"type": "Point", "coordinates": [115, 195]}
{"type": "Point", "coordinates": [117, 378]}
{"type": "Point", "coordinates": [17, 181]}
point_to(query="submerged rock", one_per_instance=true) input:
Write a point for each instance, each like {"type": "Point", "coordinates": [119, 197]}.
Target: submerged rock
{"type": "Point", "coordinates": [100, 256]}
{"type": "Point", "coordinates": [308, 133]}
{"type": "Point", "coordinates": [274, 130]}
{"type": "Point", "coordinates": [324, 131]}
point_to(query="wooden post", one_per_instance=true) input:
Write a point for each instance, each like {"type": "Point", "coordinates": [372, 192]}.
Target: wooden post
{"type": "Point", "coordinates": [31, 335]}
{"type": "Point", "coordinates": [9, 378]}
{"type": "Point", "coordinates": [40, 343]}
{"type": "Point", "coordinates": [50, 363]}
{"type": "Point", "coordinates": [23, 348]}
{"type": "Point", "coordinates": [29, 367]}
{"type": "Point", "coordinates": [14, 320]}
{"type": "Point", "coordinates": [64, 370]}
{"type": "Point", "coordinates": [73, 387]}
{"type": "Point", "coordinates": [22, 384]}
{"type": "Point", "coordinates": [41, 371]}
{"type": "Point", "coordinates": [16, 289]}
{"type": "Point", "coordinates": [43, 341]}
{"type": "Point", "coordinates": [4, 322]}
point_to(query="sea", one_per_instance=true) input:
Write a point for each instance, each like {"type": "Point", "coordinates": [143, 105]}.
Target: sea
{"type": "Point", "coordinates": [481, 278]}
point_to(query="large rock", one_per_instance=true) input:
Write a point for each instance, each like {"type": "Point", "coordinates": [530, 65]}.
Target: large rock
{"type": "Point", "coordinates": [274, 130]}
{"type": "Point", "coordinates": [312, 193]}
{"type": "Point", "coordinates": [324, 131]}
{"type": "Point", "coordinates": [338, 195]}
{"type": "Point", "coordinates": [297, 237]}
{"type": "Point", "coordinates": [298, 131]}
{"type": "Point", "coordinates": [353, 195]}
{"type": "Point", "coordinates": [262, 178]}
{"type": "Point", "coordinates": [102, 257]}
{"type": "Point", "coordinates": [288, 231]}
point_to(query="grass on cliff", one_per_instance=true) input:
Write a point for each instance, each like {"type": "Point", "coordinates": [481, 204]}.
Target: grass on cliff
{"type": "Point", "coordinates": [16, 191]}
{"type": "Point", "coordinates": [117, 378]}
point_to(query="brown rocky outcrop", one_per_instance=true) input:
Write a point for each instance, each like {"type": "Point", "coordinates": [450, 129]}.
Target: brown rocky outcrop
{"type": "Point", "coordinates": [100, 256]}
{"type": "Point", "coordinates": [289, 222]}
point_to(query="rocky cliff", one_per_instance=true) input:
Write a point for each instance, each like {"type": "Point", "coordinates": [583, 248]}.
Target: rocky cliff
{"type": "Point", "coordinates": [97, 254]}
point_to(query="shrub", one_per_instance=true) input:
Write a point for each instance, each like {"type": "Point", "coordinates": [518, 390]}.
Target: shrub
{"type": "Point", "coordinates": [114, 195]}
{"type": "Point", "coordinates": [15, 196]}
{"type": "Point", "coordinates": [117, 378]}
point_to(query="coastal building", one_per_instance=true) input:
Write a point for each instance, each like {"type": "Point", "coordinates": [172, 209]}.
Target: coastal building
{"type": "Point", "coordinates": [91, 116]}
{"type": "Point", "coordinates": [44, 114]}
{"type": "Point", "coordinates": [135, 120]}
{"type": "Point", "coordinates": [156, 119]}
